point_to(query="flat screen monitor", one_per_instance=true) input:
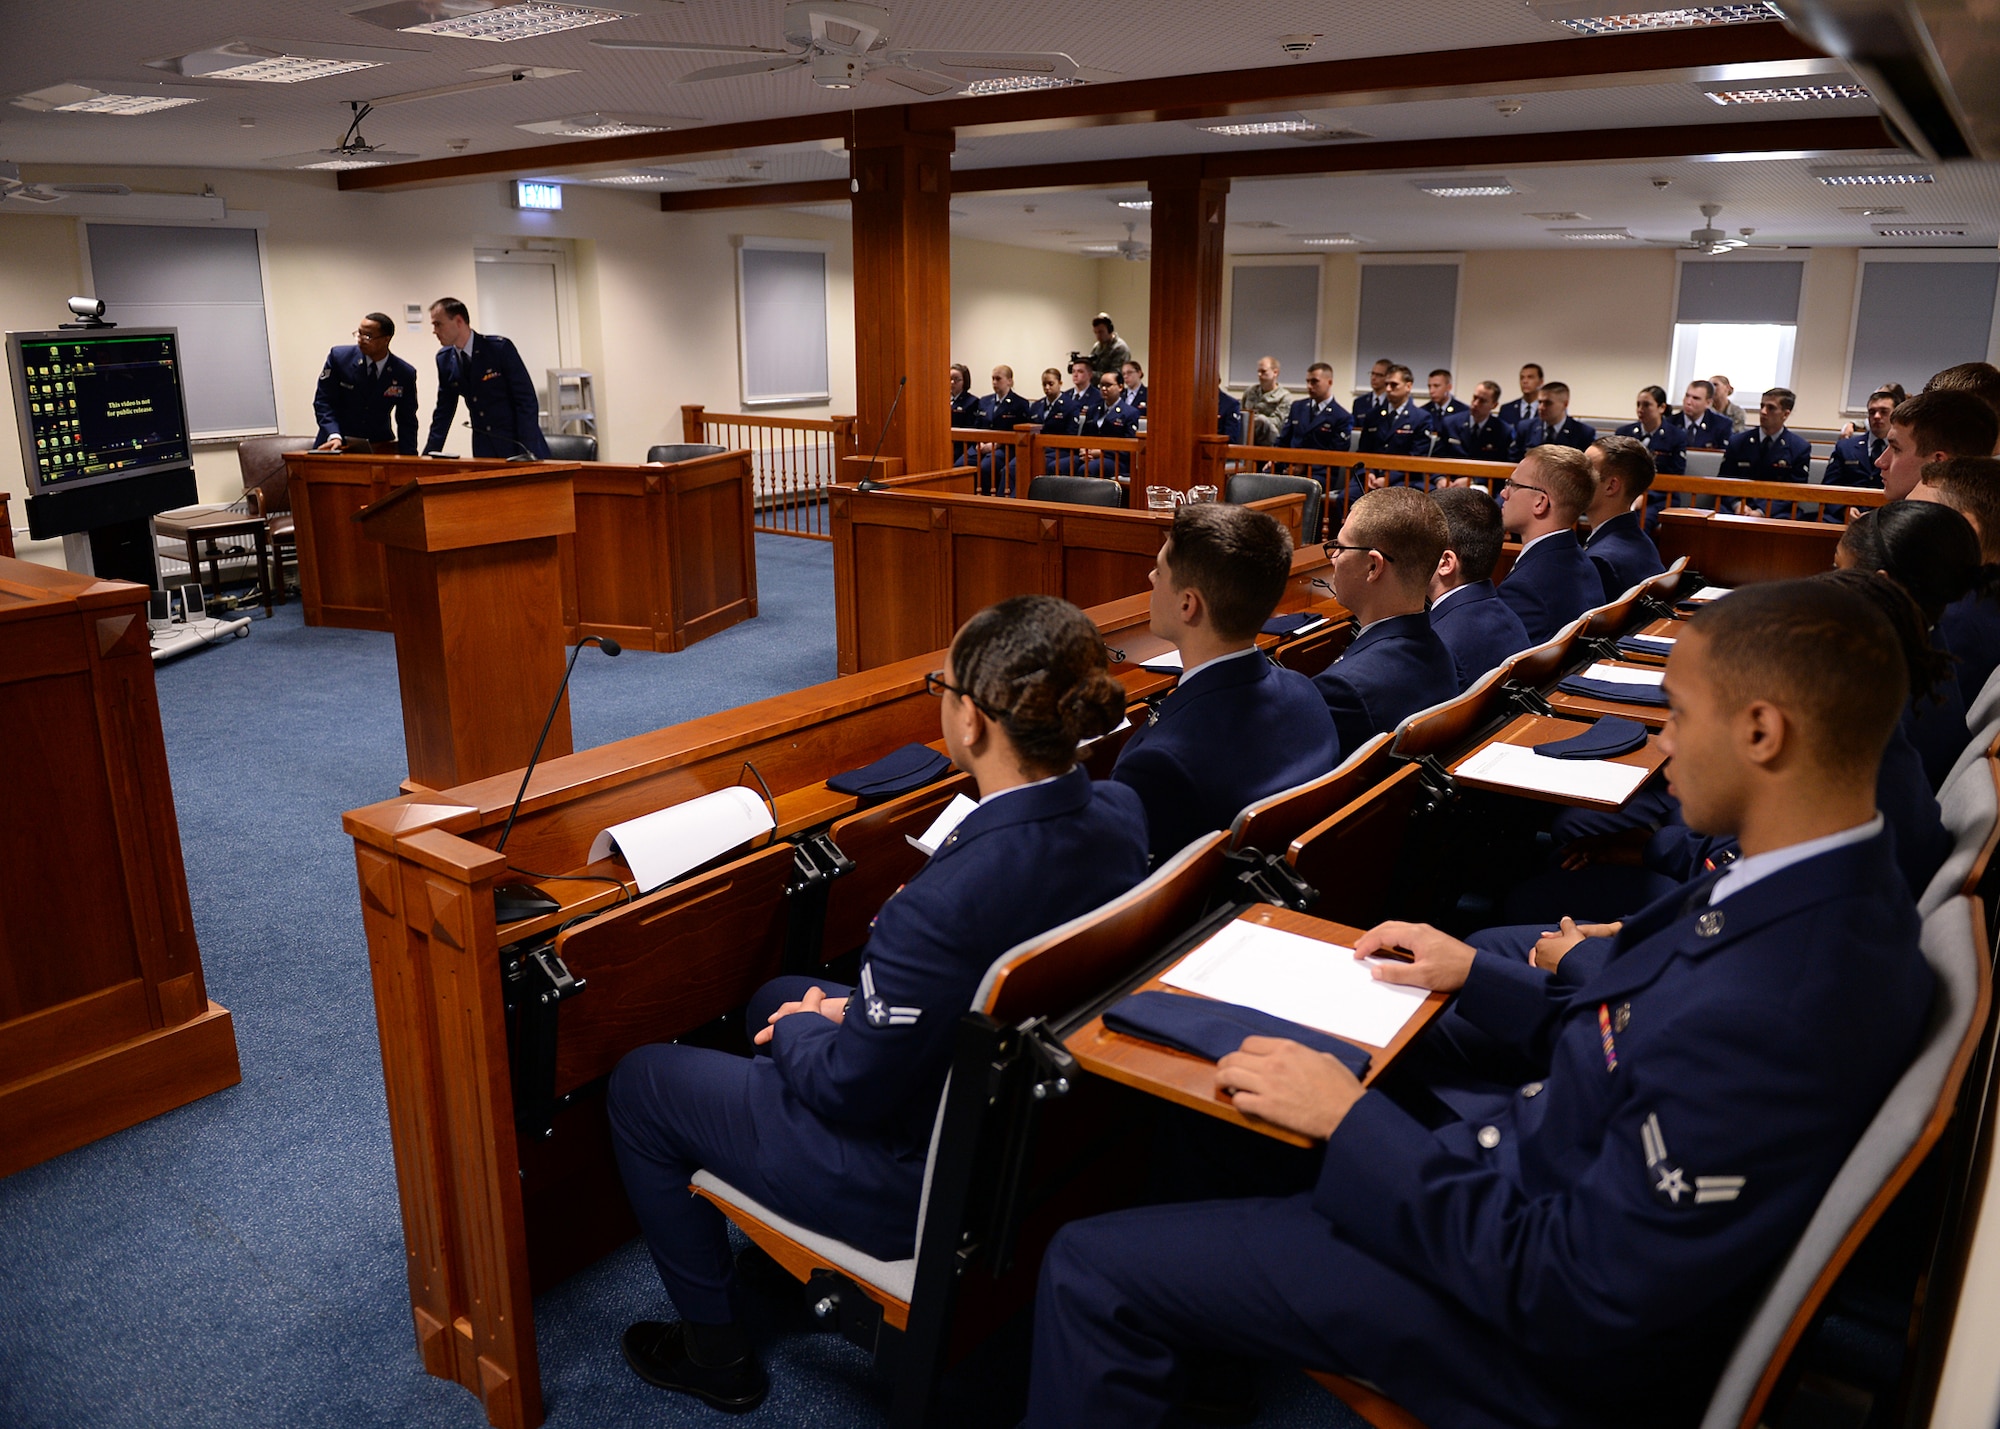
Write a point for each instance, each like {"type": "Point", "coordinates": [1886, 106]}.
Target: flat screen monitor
{"type": "Point", "coordinates": [98, 406]}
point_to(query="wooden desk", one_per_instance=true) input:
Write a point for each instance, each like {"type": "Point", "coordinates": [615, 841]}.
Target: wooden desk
{"type": "Point", "coordinates": [1187, 1080]}
{"type": "Point", "coordinates": [489, 1216]}
{"type": "Point", "coordinates": [214, 526]}
{"type": "Point", "coordinates": [1530, 730]}
{"type": "Point", "coordinates": [104, 1017]}
{"type": "Point", "coordinates": [1589, 707]}
{"type": "Point", "coordinates": [1741, 550]}
{"type": "Point", "coordinates": [913, 562]}
{"type": "Point", "coordinates": [663, 555]}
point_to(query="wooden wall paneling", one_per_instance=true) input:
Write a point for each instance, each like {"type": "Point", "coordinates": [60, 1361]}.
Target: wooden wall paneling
{"type": "Point", "coordinates": [1184, 348]}
{"type": "Point", "coordinates": [710, 540]}
{"type": "Point", "coordinates": [343, 577]}
{"type": "Point", "coordinates": [1739, 550]}
{"type": "Point", "coordinates": [104, 1017]}
{"type": "Point", "coordinates": [998, 550]}
{"type": "Point", "coordinates": [1105, 560]}
{"type": "Point", "coordinates": [902, 284]}
{"type": "Point", "coordinates": [476, 598]}
{"type": "Point", "coordinates": [616, 580]}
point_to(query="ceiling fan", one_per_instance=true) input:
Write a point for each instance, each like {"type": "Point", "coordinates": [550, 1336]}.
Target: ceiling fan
{"type": "Point", "coordinates": [1130, 249]}
{"type": "Point", "coordinates": [13, 190]}
{"type": "Point", "coordinates": [840, 43]}
{"type": "Point", "coordinates": [1712, 240]}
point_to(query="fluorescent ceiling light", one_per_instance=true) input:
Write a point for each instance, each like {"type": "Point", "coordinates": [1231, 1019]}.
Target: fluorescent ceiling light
{"type": "Point", "coordinates": [1862, 178]}
{"type": "Point", "coordinates": [276, 61]}
{"type": "Point", "coordinates": [83, 99]}
{"type": "Point", "coordinates": [493, 20]}
{"type": "Point", "coordinates": [1097, 248]}
{"type": "Point", "coordinates": [1141, 205]}
{"type": "Point", "coordinates": [351, 162]}
{"type": "Point", "coordinates": [1587, 18]}
{"type": "Point", "coordinates": [1236, 128]}
{"type": "Point", "coordinates": [335, 160]}
{"type": "Point", "coordinates": [1440, 188]}
{"type": "Point", "coordinates": [1927, 230]}
{"type": "Point", "coordinates": [1788, 94]}
{"type": "Point", "coordinates": [1018, 83]}
{"type": "Point", "coordinates": [1875, 210]}
{"type": "Point", "coordinates": [1333, 240]}
{"type": "Point", "coordinates": [665, 176]}
{"type": "Point", "coordinates": [1560, 216]}
{"type": "Point", "coordinates": [595, 126]}
{"type": "Point", "coordinates": [1593, 235]}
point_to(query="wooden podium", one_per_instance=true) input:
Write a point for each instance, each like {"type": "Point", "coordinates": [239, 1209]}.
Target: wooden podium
{"type": "Point", "coordinates": [104, 1018]}
{"type": "Point", "coordinates": [475, 600]}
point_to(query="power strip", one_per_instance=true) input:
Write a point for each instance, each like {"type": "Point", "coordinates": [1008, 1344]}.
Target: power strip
{"type": "Point", "coordinates": [173, 641]}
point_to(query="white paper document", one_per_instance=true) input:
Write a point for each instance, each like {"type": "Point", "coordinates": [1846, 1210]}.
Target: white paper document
{"type": "Point", "coordinates": [954, 814]}
{"type": "Point", "coordinates": [1710, 592]}
{"type": "Point", "coordinates": [1665, 642]}
{"type": "Point", "coordinates": [1084, 746]}
{"type": "Point", "coordinates": [660, 847]}
{"type": "Point", "coordinates": [1320, 985]}
{"type": "Point", "coordinates": [1623, 675]}
{"type": "Point", "coordinates": [1165, 661]}
{"type": "Point", "coordinates": [1518, 767]}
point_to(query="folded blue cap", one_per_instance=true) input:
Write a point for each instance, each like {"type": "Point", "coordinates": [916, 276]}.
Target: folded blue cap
{"type": "Point", "coordinates": [1632, 645]}
{"type": "Point", "coordinates": [1608, 738]}
{"type": "Point", "coordinates": [1611, 690]}
{"type": "Point", "coordinates": [1290, 624]}
{"type": "Point", "coordinates": [1215, 1029]}
{"type": "Point", "coordinates": [897, 772]}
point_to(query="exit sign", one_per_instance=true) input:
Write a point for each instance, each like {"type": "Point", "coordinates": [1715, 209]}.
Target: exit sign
{"type": "Point", "coordinates": [544, 196]}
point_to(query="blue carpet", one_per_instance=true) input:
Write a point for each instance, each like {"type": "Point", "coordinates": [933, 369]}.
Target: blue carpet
{"type": "Point", "coordinates": [240, 1261]}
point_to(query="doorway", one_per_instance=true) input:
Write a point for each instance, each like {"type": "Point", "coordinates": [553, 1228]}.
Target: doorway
{"type": "Point", "coordinates": [527, 295]}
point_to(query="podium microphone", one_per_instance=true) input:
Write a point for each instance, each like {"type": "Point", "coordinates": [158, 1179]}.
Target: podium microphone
{"type": "Point", "coordinates": [877, 485]}
{"type": "Point", "coordinates": [526, 452]}
{"type": "Point", "coordinates": [514, 901]}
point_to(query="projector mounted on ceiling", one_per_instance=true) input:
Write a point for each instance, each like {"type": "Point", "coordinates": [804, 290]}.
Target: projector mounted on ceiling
{"type": "Point", "coordinates": [840, 43]}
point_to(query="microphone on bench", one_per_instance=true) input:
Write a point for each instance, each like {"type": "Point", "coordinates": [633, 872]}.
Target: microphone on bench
{"type": "Point", "coordinates": [526, 452]}
{"type": "Point", "coordinates": [513, 902]}
{"type": "Point", "coordinates": [867, 485]}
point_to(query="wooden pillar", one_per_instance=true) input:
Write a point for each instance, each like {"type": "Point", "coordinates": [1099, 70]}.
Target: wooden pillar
{"type": "Point", "coordinates": [1183, 358]}
{"type": "Point", "coordinates": [902, 286]}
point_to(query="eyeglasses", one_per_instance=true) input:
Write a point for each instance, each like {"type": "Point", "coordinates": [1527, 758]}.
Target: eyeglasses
{"type": "Point", "coordinates": [1512, 485]}
{"type": "Point", "coordinates": [1334, 548]}
{"type": "Point", "coordinates": [370, 336]}
{"type": "Point", "coordinates": [934, 684]}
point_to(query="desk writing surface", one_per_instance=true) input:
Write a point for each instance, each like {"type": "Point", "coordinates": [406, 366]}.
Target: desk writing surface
{"type": "Point", "coordinates": [1589, 707]}
{"type": "Point", "coordinates": [1531, 729]}
{"type": "Point", "coordinates": [1188, 1080]}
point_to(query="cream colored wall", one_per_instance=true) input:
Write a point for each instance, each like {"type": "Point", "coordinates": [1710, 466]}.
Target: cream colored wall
{"type": "Point", "coordinates": [1124, 290]}
{"type": "Point", "coordinates": [1018, 306]}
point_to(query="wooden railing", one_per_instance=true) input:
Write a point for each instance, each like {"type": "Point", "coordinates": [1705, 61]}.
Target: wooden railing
{"type": "Point", "coordinates": [793, 460]}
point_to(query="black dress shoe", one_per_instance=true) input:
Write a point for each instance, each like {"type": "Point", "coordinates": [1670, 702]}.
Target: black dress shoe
{"type": "Point", "coordinates": [658, 1354]}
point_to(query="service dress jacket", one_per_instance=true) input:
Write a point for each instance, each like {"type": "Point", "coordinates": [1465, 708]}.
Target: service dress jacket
{"type": "Point", "coordinates": [1322, 431]}
{"type": "Point", "coordinates": [1667, 442]}
{"type": "Point", "coordinates": [1551, 584]}
{"type": "Point", "coordinates": [1623, 553]}
{"type": "Point", "coordinates": [1711, 432]}
{"type": "Point", "coordinates": [1393, 668]}
{"type": "Point", "coordinates": [1479, 629]}
{"type": "Point", "coordinates": [1467, 440]}
{"type": "Point", "coordinates": [1610, 1226]}
{"type": "Point", "coordinates": [499, 398]}
{"type": "Point", "coordinates": [352, 402]}
{"type": "Point", "coordinates": [1235, 731]}
{"type": "Point", "coordinates": [842, 1112]}
{"type": "Point", "coordinates": [1569, 432]}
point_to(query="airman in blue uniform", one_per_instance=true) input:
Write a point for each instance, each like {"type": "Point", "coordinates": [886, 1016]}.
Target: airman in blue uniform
{"type": "Point", "coordinates": [1368, 405]}
{"type": "Point", "coordinates": [1769, 451]}
{"type": "Point", "coordinates": [1442, 405]}
{"type": "Point", "coordinates": [1667, 443]}
{"type": "Point", "coordinates": [1113, 416]}
{"type": "Point", "coordinates": [1552, 425]}
{"type": "Point", "coordinates": [1479, 629]}
{"type": "Point", "coordinates": [1229, 417]}
{"type": "Point", "coordinates": [1071, 409]}
{"type": "Point", "coordinates": [1622, 471]}
{"type": "Point", "coordinates": [1523, 408]}
{"type": "Point", "coordinates": [999, 411]}
{"type": "Point", "coordinates": [1703, 426]}
{"type": "Point", "coordinates": [1237, 727]}
{"type": "Point", "coordinates": [1478, 433]}
{"type": "Point", "coordinates": [831, 1128]}
{"type": "Point", "coordinates": [487, 372]}
{"type": "Point", "coordinates": [1551, 582]}
{"type": "Point", "coordinates": [361, 386]}
{"type": "Point", "coordinates": [1383, 559]}
{"type": "Point", "coordinates": [1584, 1249]}
{"type": "Point", "coordinates": [1135, 386]}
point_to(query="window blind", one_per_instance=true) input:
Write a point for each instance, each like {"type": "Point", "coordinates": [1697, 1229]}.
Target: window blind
{"type": "Point", "coordinates": [1409, 314]}
{"type": "Point", "coordinates": [1915, 319]}
{"type": "Point", "coordinates": [782, 292]}
{"type": "Point", "coordinates": [1736, 292]}
{"type": "Point", "coordinates": [1274, 310]}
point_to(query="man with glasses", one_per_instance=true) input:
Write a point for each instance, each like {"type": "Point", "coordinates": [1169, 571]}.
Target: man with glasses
{"type": "Point", "coordinates": [360, 386]}
{"type": "Point", "coordinates": [1383, 560]}
{"type": "Point", "coordinates": [1553, 581]}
